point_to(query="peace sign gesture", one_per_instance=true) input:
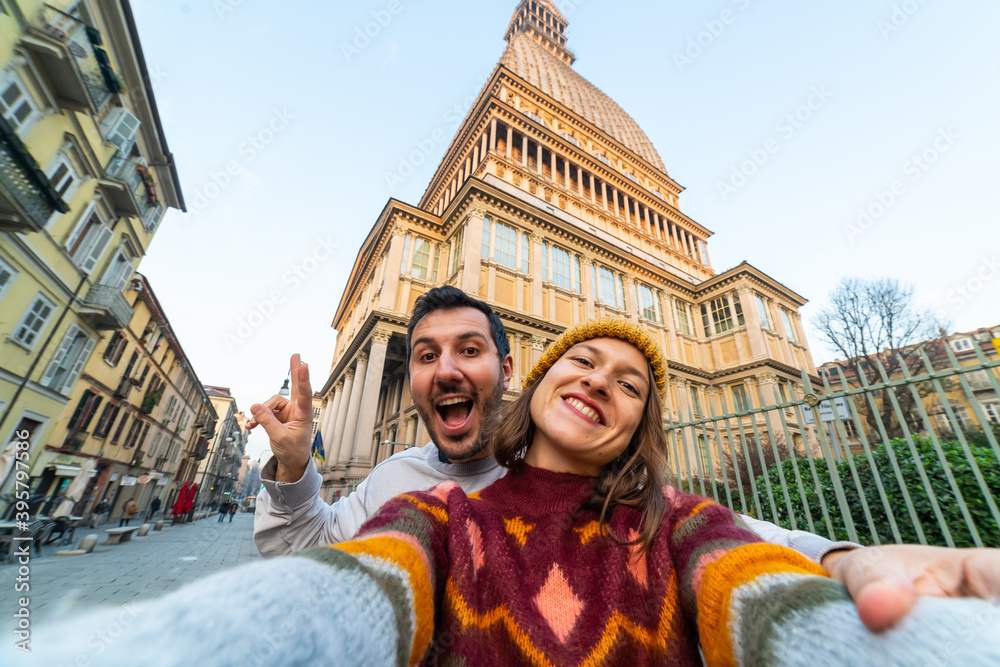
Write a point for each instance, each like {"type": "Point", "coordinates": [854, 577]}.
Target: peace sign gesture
{"type": "Point", "coordinates": [288, 423]}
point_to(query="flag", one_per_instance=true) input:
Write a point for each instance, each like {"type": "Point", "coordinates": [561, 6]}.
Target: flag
{"type": "Point", "coordinates": [317, 447]}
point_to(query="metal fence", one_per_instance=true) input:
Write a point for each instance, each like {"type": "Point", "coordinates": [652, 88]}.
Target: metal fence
{"type": "Point", "coordinates": [912, 458]}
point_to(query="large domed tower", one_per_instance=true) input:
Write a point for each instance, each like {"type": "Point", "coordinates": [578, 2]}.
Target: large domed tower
{"type": "Point", "coordinates": [551, 204]}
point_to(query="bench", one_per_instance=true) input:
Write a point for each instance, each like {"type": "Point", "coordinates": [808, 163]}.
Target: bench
{"type": "Point", "coordinates": [119, 535]}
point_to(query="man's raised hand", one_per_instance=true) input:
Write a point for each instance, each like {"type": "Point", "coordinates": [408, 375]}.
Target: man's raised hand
{"type": "Point", "coordinates": [288, 423]}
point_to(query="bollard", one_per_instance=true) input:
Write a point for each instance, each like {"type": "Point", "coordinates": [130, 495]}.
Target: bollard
{"type": "Point", "coordinates": [158, 525]}
{"type": "Point", "coordinates": [143, 530]}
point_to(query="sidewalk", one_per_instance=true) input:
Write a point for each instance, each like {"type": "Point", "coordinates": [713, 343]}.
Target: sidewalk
{"type": "Point", "coordinates": [141, 569]}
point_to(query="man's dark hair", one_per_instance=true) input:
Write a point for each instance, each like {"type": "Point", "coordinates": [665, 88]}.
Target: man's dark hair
{"type": "Point", "coordinates": [447, 297]}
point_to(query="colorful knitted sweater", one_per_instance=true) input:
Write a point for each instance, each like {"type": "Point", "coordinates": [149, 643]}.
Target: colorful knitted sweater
{"type": "Point", "coordinates": [520, 573]}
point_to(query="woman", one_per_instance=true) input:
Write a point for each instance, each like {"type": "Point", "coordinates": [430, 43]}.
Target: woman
{"type": "Point", "coordinates": [577, 556]}
{"type": "Point", "coordinates": [128, 511]}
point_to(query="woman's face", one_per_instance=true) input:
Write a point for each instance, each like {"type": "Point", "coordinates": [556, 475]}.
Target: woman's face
{"type": "Point", "coordinates": [588, 406]}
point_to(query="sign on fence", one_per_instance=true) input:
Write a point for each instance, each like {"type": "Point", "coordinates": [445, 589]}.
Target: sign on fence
{"type": "Point", "coordinates": [826, 411]}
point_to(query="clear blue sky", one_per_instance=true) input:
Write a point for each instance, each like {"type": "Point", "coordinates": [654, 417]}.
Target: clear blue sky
{"type": "Point", "coordinates": [888, 82]}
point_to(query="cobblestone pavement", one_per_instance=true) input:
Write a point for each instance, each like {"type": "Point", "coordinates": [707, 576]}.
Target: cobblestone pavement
{"type": "Point", "coordinates": [140, 569]}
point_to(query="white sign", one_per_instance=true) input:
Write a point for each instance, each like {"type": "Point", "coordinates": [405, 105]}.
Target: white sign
{"type": "Point", "coordinates": [113, 477]}
{"type": "Point", "coordinates": [129, 480]}
{"type": "Point", "coordinates": [826, 411]}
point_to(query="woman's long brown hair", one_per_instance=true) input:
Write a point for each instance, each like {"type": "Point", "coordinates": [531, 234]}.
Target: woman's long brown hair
{"type": "Point", "coordinates": [634, 479]}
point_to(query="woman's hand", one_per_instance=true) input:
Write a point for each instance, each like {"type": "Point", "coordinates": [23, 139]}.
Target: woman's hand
{"type": "Point", "coordinates": [288, 423]}
{"type": "Point", "coordinates": [885, 581]}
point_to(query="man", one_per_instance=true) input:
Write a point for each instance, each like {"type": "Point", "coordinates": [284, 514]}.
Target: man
{"type": "Point", "coordinates": [154, 506]}
{"type": "Point", "coordinates": [459, 364]}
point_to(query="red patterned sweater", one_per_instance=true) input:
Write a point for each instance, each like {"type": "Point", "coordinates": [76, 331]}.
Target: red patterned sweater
{"type": "Point", "coordinates": [520, 573]}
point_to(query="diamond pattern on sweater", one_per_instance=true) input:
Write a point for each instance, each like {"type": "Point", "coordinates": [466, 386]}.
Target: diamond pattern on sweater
{"type": "Point", "coordinates": [558, 605]}
{"type": "Point", "coordinates": [588, 531]}
{"type": "Point", "coordinates": [518, 529]}
{"type": "Point", "coordinates": [637, 560]}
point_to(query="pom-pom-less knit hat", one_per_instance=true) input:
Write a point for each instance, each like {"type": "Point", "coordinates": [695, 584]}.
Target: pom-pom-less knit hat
{"type": "Point", "coordinates": [605, 327]}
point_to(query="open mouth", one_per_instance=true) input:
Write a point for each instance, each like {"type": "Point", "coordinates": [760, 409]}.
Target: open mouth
{"type": "Point", "coordinates": [584, 409]}
{"type": "Point", "coordinates": [455, 412]}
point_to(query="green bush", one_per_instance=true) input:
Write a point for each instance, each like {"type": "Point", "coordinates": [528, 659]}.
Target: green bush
{"type": "Point", "coordinates": [961, 470]}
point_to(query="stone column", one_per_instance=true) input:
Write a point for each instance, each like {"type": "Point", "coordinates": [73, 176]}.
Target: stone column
{"type": "Point", "coordinates": [338, 431]}
{"type": "Point", "coordinates": [510, 142]}
{"type": "Point", "coordinates": [588, 285]}
{"type": "Point", "coordinates": [353, 410]}
{"type": "Point", "coordinates": [536, 274]}
{"type": "Point", "coordinates": [390, 288]}
{"type": "Point", "coordinates": [515, 352]}
{"type": "Point", "coordinates": [493, 134]}
{"type": "Point", "coordinates": [555, 173]}
{"type": "Point", "coordinates": [614, 195]}
{"type": "Point", "coordinates": [538, 345]}
{"type": "Point", "coordinates": [333, 407]}
{"type": "Point", "coordinates": [593, 194]}
{"type": "Point", "coordinates": [372, 387]}
{"type": "Point", "coordinates": [628, 210]}
{"type": "Point", "coordinates": [631, 304]}
{"type": "Point", "coordinates": [473, 250]}
{"type": "Point", "coordinates": [755, 333]}
{"type": "Point", "coordinates": [604, 195]}
{"type": "Point", "coordinates": [524, 150]}
{"type": "Point", "coordinates": [538, 162]}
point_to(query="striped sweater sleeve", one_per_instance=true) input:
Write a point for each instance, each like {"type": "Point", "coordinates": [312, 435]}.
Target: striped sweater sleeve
{"type": "Point", "coordinates": [739, 589]}
{"type": "Point", "coordinates": [403, 550]}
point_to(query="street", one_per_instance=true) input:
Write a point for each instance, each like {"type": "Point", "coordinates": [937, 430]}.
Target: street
{"type": "Point", "coordinates": [140, 569]}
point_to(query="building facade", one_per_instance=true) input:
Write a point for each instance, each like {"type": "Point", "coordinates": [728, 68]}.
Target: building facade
{"type": "Point", "coordinates": [85, 178]}
{"type": "Point", "coordinates": [218, 479]}
{"type": "Point", "coordinates": [136, 409]}
{"type": "Point", "coordinates": [552, 205]}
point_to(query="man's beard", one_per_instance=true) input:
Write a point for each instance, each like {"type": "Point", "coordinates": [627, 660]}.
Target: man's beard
{"type": "Point", "coordinates": [488, 412]}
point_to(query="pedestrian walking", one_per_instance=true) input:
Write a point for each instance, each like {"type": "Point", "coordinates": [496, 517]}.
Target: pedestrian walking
{"type": "Point", "coordinates": [233, 506]}
{"type": "Point", "coordinates": [100, 512]}
{"type": "Point", "coordinates": [154, 507]}
{"type": "Point", "coordinates": [223, 510]}
{"type": "Point", "coordinates": [128, 512]}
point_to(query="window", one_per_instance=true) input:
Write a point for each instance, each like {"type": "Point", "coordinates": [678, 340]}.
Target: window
{"type": "Point", "coordinates": [535, 117]}
{"type": "Point", "coordinates": [122, 127]}
{"type": "Point", "coordinates": [782, 392]}
{"type": "Point", "coordinates": [406, 254]}
{"type": "Point", "coordinates": [120, 268]}
{"type": "Point", "coordinates": [68, 361]}
{"type": "Point", "coordinates": [107, 419]}
{"type": "Point", "coordinates": [118, 431]}
{"type": "Point", "coordinates": [456, 249]}
{"type": "Point", "coordinates": [420, 268]}
{"type": "Point", "coordinates": [154, 448]}
{"type": "Point", "coordinates": [992, 412]}
{"type": "Point", "coordinates": [505, 246]}
{"type": "Point", "coordinates": [961, 344]}
{"type": "Point", "coordinates": [85, 411]}
{"type": "Point", "coordinates": [741, 402]}
{"type": "Point", "coordinates": [789, 328]}
{"type": "Point", "coordinates": [89, 239]}
{"type": "Point", "coordinates": [485, 250]}
{"type": "Point", "coordinates": [153, 218]}
{"type": "Point", "coordinates": [63, 176]}
{"type": "Point", "coordinates": [561, 274]}
{"type": "Point", "coordinates": [31, 325]}
{"type": "Point", "coordinates": [738, 307]}
{"type": "Point", "coordinates": [571, 139]}
{"type": "Point", "coordinates": [695, 401]}
{"type": "Point", "coordinates": [681, 310]}
{"type": "Point", "coordinates": [603, 158]}
{"type": "Point", "coordinates": [705, 323]}
{"type": "Point", "coordinates": [610, 289]}
{"type": "Point", "coordinates": [765, 320]}
{"type": "Point", "coordinates": [721, 316]}
{"type": "Point", "coordinates": [142, 378]}
{"type": "Point", "coordinates": [133, 434]}
{"type": "Point", "coordinates": [7, 275]}
{"type": "Point", "coordinates": [16, 104]}
{"type": "Point", "coordinates": [705, 456]}
{"type": "Point", "coordinates": [649, 304]}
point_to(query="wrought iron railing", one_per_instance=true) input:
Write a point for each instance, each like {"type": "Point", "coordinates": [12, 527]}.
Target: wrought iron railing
{"type": "Point", "coordinates": [111, 299]}
{"type": "Point", "coordinates": [23, 181]}
{"type": "Point", "coordinates": [84, 43]}
{"type": "Point", "coordinates": [859, 460]}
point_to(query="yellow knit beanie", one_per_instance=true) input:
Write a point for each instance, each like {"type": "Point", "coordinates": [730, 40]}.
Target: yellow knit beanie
{"type": "Point", "coordinates": [609, 327]}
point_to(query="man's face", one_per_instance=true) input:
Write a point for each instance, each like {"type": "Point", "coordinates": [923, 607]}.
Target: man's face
{"type": "Point", "coordinates": [457, 379]}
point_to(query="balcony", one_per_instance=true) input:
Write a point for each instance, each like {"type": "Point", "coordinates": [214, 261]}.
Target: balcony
{"type": "Point", "coordinates": [27, 199]}
{"type": "Point", "coordinates": [123, 188]}
{"type": "Point", "coordinates": [201, 449]}
{"type": "Point", "coordinates": [106, 307]}
{"type": "Point", "coordinates": [70, 53]}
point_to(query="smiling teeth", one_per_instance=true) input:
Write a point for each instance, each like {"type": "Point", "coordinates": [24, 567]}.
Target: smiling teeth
{"type": "Point", "coordinates": [583, 409]}
{"type": "Point", "coordinates": [453, 401]}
